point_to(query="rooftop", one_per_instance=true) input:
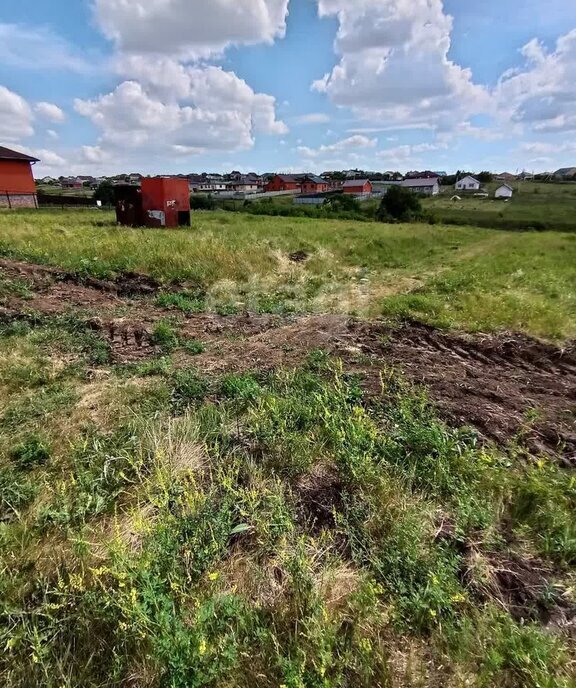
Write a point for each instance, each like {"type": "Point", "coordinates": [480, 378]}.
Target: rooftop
{"type": "Point", "coordinates": [8, 154]}
{"type": "Point", "coordinates": [425, 181]}
{"type": "Point", "coordinates": [356, 182]}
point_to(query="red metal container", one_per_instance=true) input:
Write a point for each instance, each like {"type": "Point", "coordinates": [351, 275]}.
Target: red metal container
{"type": "Point", "coordinates": [166, 202]}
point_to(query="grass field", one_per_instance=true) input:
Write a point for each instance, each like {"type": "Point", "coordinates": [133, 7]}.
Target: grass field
{"type": "Point", "coordinates": [195, 497]}
{"type": "Point", "coordinates": [471, 278]}
{"type": "Point", "coordinates": [535, 205]}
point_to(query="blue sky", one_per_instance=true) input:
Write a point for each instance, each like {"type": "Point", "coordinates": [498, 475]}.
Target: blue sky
{"type": "Point", "coordinates": [98, 86]}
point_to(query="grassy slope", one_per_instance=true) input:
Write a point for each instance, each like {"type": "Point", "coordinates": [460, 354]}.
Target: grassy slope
{"type": "Point", "coordinates": [451, 276]}
{"type": "Point", "coordinates": [153, 537]}
{"type": "Point", "coordinates": [155, 526]}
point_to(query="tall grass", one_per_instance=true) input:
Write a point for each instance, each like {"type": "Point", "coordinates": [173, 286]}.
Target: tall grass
{"type": "Point", "coordinates": [451, 276]}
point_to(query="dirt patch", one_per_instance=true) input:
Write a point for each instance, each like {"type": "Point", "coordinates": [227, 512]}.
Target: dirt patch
{"type": "Point", "coordinates": [129, 341]}
{"type": "Point", "coordinates": [319, 495]}
{"type": "Point", "coordinates": [298, 257]}
{"type": "Point", "coordinates": [505, 386]}
{"type": "Point", "coordinates": [522, 586]}
{"type": "Point", "coordinates": [43, 276]}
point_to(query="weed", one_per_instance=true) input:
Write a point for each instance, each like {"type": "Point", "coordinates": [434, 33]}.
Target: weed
{"type": "Point", "coordinates": [194, 347]}
{"type": "Point", "coordinates": [31, 453]}
{"type": "Point", "coordinates": [185, 301]}
{"type": "Point", "coordinates": [165, 335]}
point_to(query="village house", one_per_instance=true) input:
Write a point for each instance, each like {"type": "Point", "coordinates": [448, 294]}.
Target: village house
{"type": "Point", "coordinates": [312, 184]}
{"type": "Point", "coordinates": [17, 185]}
{"type": "Point", "coordinates": [71, 183]}
{"type": "Point", "coordinates": [244, 185]}
{"type": "Point", "coordinates": [358, 187]}
{"type": "Point", "coordinates": [468, 184]}
{"type": "Point", "coordinates": [504, 191]}
{"type": "Point", "coordinates": [284, 182]}
{"type": "Point", "coordinates": [428, 186]}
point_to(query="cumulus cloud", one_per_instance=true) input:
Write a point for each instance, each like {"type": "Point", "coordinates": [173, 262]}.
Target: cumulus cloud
{"type": "Point", "coordinates": [50, 111]}
{"type": "Point", "coordinates": [394, 63]}
{"type": "Point", "coordinates": [15, 116]}
{"type": "Point", "coordinates": [348, 145]}
{"type": "Point", "coordinates": [208, 109]}
{"type": "Point", "coordinates": [542, 95]}
{"type": "Point", "coordinates": [189, 29]}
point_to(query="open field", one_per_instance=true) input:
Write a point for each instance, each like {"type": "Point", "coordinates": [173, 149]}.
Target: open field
{"type": "Point", "coordinates": [474, 279]}
{"type": "Point", "coordinates": [246, 456]}
{"type": "Point", "coordinates": [534, 204]}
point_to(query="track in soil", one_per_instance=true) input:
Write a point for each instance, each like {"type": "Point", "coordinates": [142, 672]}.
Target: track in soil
{"type": "Point", "coordinates": [507, 386]}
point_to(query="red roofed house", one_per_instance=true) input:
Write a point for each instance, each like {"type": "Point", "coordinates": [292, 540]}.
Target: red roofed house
{"type": "Point", "coordinates": [311, 184]}
{"type": "Point", "coordinates": [284, 182]}
{"type": "Point", "coordinates": [17, 185]}
{"type": "Point", "coordinates": [359, 187]}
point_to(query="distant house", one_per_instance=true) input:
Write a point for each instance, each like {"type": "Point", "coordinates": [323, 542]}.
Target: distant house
{"type": "Point", "coordinates": [72, 183]}
{"type": "Point", "coordinates": [243, 185]}
{"type": "Point", "coordinates": [565, 172]}
{"type": "Point", "coordinates": [358, 187]}
{"type": "Point", "coordinates": [312, 184]}
{"type": "Point", "coordinates": [382, 187]}
{"type": "Point", "coordinates": [17, 185]}
{"type": "Point", "coordinates": [207, 186]}
{"type": "Point", "coordinates": [504, 191]}
{"type": "Point", "coordinates": [428, 186]}
{"type": "Point", "coordinates": [48, 180]}
{"type": "Point", "coordinates": [505, 177]}
{"type": "Point", "coordinates": [468, 184]}
{"type": "Point", "coordinates": [284, 182]}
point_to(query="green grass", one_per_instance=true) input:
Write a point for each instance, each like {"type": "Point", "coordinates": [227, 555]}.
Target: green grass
{"type": "Point", "coordinates": [162, 526]}
{"type": "Point", "coordinates": [477, 279]}
{"type": "Point", "coordinates": [180, 545]}
{"type": "Point", "coordinates": [534, 205]}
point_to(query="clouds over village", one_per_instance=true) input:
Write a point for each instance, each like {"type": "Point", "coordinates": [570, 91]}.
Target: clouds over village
{"type": "Point", "coordinates": [170, 87]}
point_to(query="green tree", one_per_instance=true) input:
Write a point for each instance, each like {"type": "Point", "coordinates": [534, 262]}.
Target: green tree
{"type": "Point", "coordinates": [399, 204]}
{"type": "Point", "coordinates": [342, 202]}
{"type": "Point", "coordinates": [485, 177]}
{"type": "Point", "coordinates": [105, 193]}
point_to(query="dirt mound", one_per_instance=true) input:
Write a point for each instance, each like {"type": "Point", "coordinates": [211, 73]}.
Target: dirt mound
{"type": "Point", "coordinates": [129, 341]}
{"type": "Point", "coordinates": [42, 276]}
{"type": "Point", "coordinates": [506, 386]}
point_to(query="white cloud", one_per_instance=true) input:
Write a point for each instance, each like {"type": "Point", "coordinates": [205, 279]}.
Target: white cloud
{"type": "Point", "coordinates": [50, 111]}
{"type": "Point", "coordinates": [548, 149]}
{"type": "Point", "coordinates": [394, 64]}
{"type": "Point", "coordinates": [348, 145]}
{"type": "Point", "coordinates": [53, 134]}
{"type": "Point", "coordinates": [15, 116]}
{"type": "Point", "coordinates": [313, 118]}
{"type": "Point", "coordinates": [39, 48]}
{"type": "Point", "coordinates": [194, 109]}
{"type": "Point", "coordinates": [408, 155]}
{"type": "Point", "coordinates": [542, 95]}
{"type": "Point", "coordinates": [190, 29]}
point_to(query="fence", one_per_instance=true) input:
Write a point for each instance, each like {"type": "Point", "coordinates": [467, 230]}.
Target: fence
{"type": "Point", "coordinates": [17, 200]}
{"type": "Point", "coordinates": [47, 200]}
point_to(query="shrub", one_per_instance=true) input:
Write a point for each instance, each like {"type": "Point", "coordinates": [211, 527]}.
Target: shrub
{"type": "Point", "coordinates": [201, 202]}
{"type": "Point", "coordinates": [399, 204]}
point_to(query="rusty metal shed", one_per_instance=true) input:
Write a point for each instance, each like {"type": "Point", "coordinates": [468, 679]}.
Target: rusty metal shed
{"type": "Point", "coordinates": [166, 202]}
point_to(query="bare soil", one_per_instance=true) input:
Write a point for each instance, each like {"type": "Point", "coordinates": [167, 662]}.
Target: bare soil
{"type": "Point", "coordinates": [507, 386]}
